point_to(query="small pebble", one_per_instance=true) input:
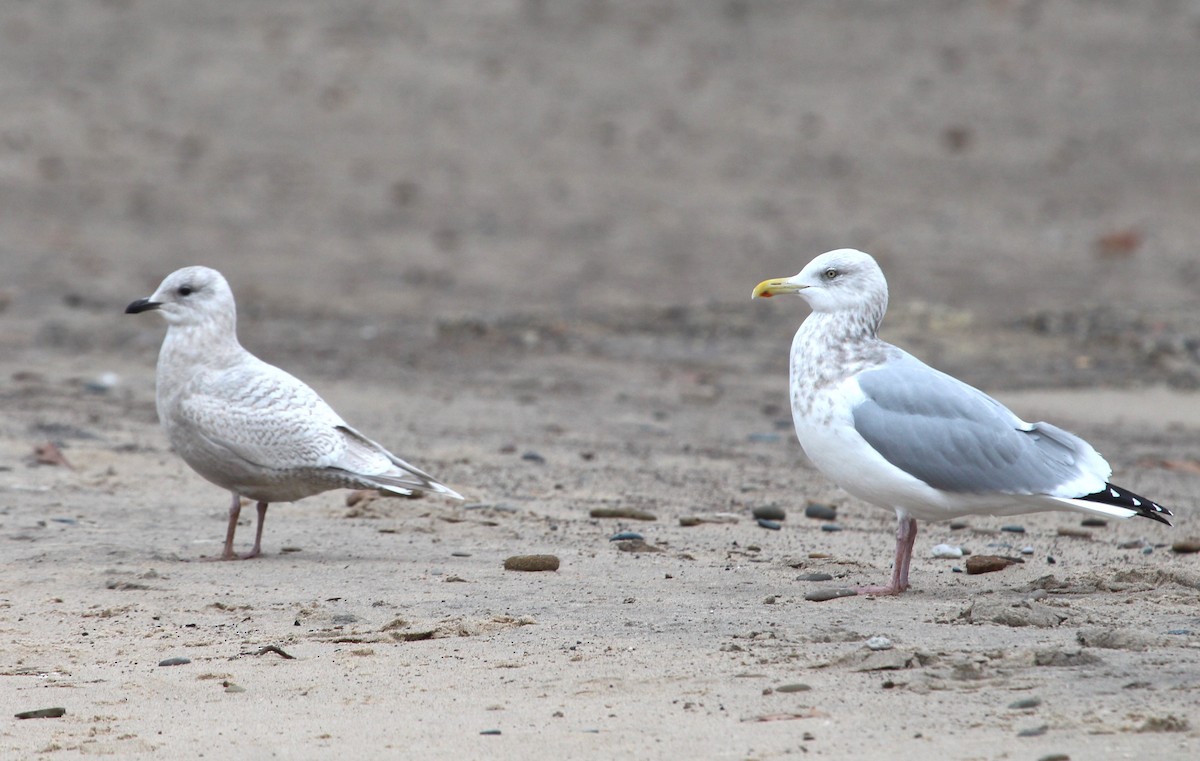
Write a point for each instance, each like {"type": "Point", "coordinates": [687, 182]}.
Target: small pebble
{"type": "Point", "coordinates": [1131, 544]}
{"type": "Point", "coordinates": [947, 551]}
{"type": "Point", "coordinates": [820, 512]}
{"type": "Point", "coordinates": [490, 732]}
{"type": "Point", "coordinates": [531, 563]}
{"type": "Point", "coordinates": [959, 525]}
{"type": "Point", "coordinates": [1027, 550]}
{"type": "Point", "coordinates": [699, 518]}
{"type": "Point", "coordinates": [1055, 757]}
{"type": "Point", "coordinates": [1033, 731]}
{"type": "Point", "coordinates": [179, 661]}
{"type": "Point", "coordinates": [769, 600]}
{"type": "Point", "coordinates": [42, 713]}
{"type": "Point", "coordinates": [626, 535]}
{"type": "Point", "coordinates": [623, 512]}
{"type": "Point", "coordinates": [1186, 546]}
{"type": "Point", "coordinates": [879, 643]}
{"type": "Point", "coordinates": [1184, 632]}
{"type": "Point", "coordinates": [1147, 550]}
{"type": "Point", "coordinates": [230, 687]}
{"type": "Point", "coordinates": [987, 563]}
{"type": "Point", "coordinates": [460, 554]}
{"type": "Point", "coordinates": [794, 687]}
{"type": "Point", "coordinates": [772, 525]}
{"type": "Point", "coordinates": [102, 383]}
{"type": "Point", "coordinates": [830, 527]}
{"type": "Point", "coordinates": [764, 438]}
{"type": "Point", "coordinates": [770, 512]}
{"type": "Point", "coordinates": [829, 593]}
{"type": "Point", "coordinates": [532, 457]}
{"type": "Point", "coordinates": [1077, 532]}
{"type": "Point", "coordinates": [1024, 703]}
{"type": "Point", "coordinates": [1013, 529]}
{"type": "Point", "coordinates": [1093, 522]}
{"type": "Point", "coordinates": [360, 495]}
{"type": "Point", "coordinates": [815, 577]}
{"type": "Point", "coordinates": [637, 545]}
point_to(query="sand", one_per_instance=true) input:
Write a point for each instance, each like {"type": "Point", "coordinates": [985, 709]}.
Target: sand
{"type": "Point", "coordinates": [515, 244]}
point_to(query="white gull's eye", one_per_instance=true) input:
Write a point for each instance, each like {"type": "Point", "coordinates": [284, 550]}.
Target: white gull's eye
{"type": "Point", "coordinates": [830, 273]}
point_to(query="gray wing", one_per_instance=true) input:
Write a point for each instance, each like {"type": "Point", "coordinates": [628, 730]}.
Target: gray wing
{"type": "Point", "coordinates": [956, 438]}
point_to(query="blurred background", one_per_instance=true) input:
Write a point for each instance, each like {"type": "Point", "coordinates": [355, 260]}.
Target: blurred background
{"type": "Point", "coordinates": [572, 157]}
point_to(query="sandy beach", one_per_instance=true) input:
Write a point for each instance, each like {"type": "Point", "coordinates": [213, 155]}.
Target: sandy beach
{"type": "Point", "coordinates": [515, 242]}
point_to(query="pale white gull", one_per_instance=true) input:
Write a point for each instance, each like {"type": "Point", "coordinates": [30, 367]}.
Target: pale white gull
{"type": "Point", "coordinates": [248, 426]}
{"type": "Point", "coordinates": [896, 433]}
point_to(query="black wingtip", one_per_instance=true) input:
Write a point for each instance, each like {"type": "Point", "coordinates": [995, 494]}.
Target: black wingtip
{"type": "Point", "coordinates": [1121, 497]}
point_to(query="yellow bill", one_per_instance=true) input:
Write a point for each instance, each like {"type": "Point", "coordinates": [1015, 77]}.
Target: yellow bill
{"type": "Point", "coordinates": [774, 287]}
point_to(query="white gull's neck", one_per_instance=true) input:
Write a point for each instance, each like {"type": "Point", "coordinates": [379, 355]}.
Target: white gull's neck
{"type": "Point", "coordinates": [830, 347]}
{"type": "Point", "coordinates": [209, 345]}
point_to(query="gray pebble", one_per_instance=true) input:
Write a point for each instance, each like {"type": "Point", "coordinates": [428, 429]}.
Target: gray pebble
{"type": "Point", "coordinates": [829, 593]}
{"type": "Point", "coordinates": [532, 457]}
{"type": "Point", "coordinates": [1033, 731]}
{"type": "Point", "coordinates": [770, 512]}
{"type": "Point", "coordinates": [460, 554]}
{"type": "Point", "coordinates": [1024, 703]}
{"type": "Point", "coordinates": [959, 525]}
{"type": "Point", "coordinates": [1013, 529]}
{"type": "Point", "coordinates": [624, 535]}
{"type": "Point", "coordinates": [820, 512]}
{"type": "Point", "coordinates": [1147, 550]}
{"type": "Point", "coordinates": [1093, 522]}
{"type": "Point", "coordinates": [795, 687]}
{"type": "Point", "coordinates": [830, 527]}
{"type": "Point", "coordinates": [623, 512]}
{"type": "Point", "coordinates": [815, 577]}
{"type": "Point", "coordinates": [490, 732]}
{"type": "Point", "coordinates": [42, 713]}
{"type": "Point", "coordinates": [1055, 757]}
{"type": "Point", "coordinates": [174, 661]}
{"type": "Point", "coordinates": [772, 525]}
{"type": "Point", "coordinates": [1131, 544]}
{"type": "Point", "coordinates": [764, 438]}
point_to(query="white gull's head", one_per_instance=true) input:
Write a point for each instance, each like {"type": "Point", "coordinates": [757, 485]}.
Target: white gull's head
{"type": "Point", "coordinates": [845, 280]}
{"type": "Point", "coordinates": [189, 297]}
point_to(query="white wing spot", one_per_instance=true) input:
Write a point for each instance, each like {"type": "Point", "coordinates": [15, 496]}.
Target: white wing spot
{"type": "Point", "coordinates": [1116, 494]}
{"type": "Point", "coordinates": [1137, 502]}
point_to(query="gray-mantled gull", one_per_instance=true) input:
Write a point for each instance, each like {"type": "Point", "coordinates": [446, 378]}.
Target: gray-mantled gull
{"type": "Point", "coordinates": [248, 426]}
{"type": "Point", "coordinates": [896, 433]}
